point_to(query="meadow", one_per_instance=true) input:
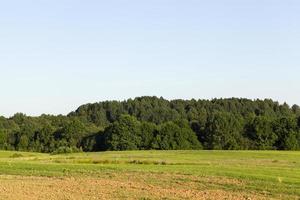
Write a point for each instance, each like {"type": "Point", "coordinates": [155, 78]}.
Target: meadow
{"type": "Point", "coordinates": [151, 175]}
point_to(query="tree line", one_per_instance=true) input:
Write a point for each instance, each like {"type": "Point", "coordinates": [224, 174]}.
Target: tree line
{"type": "Point", "coordinates": [155, 123]}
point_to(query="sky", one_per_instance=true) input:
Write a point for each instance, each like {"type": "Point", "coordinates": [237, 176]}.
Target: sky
{"type": "Point", "coordinates": [56, 55]}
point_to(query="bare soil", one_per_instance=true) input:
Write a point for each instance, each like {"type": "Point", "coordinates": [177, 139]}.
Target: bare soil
{"type": "Point", "coordinates": [127, 186]}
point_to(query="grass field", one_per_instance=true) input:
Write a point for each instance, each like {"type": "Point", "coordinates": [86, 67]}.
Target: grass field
{"type": "Point", "coordinates": [151, 175]}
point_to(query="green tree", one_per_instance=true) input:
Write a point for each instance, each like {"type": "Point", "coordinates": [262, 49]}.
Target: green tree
{"type": "Point", "coordinates": [124, 134]}
{"type": "Point", "coordinates": [286, 130]}
{"type": "Point", "coordinates": [23, 142]}
{"type": "Point", "coordinates": [260, 131]}
{"type": "Point", "coordinates": [178, 135]}
{"type": "Point", "coordinates": [165, 138]}
{"type": "Point", "coordinates": [3, 139]}
{"type": "Point", "coordinates": [148, 130]}
{"type": "Point", "coordinates": [223, 131]}
{"type": "Point", "coordinates": [44, 139]}
{"type": "Point", "coordinates": [71, 133]}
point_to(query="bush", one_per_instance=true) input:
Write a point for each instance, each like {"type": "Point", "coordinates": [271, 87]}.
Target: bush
{"type": "Point", "coordinates": [16, 155]}
{"type": "Point", "coordinates": [66, 150]}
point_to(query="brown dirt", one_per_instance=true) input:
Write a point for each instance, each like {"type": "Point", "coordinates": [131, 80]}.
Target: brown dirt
{"type": "Point", "coordinates": [113, 187]}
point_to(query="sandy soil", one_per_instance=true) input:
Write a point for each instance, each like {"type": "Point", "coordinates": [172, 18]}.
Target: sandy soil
{"type": "Point", "coordinates": [113, 187]}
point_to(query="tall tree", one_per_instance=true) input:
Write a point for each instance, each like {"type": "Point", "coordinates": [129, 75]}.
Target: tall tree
{"type": "Point", "coordinates": [124, 134]}
{"type": "Point", "coordinates": [260, 131]}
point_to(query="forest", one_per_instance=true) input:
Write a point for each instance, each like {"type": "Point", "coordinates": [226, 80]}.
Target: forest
{"type": "Point", "coordinates": [146, 123]}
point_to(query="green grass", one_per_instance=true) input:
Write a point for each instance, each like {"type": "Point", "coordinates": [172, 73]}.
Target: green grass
{"type": "Point", "coordinates": [269, 173]}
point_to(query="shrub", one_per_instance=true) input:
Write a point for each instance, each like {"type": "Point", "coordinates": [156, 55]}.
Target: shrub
{"type": "Point", "coordinates": [16, 155]}
{"type": "Point", "coordinates": [66, 150]}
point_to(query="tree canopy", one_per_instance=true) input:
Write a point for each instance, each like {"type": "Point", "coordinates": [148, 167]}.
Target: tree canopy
{"type": "Point", "coordinates": [157, 123]}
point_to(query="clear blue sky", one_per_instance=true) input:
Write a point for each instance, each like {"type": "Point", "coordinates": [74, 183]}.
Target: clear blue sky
{"type": "Point", "coordinates": [58, 54]}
